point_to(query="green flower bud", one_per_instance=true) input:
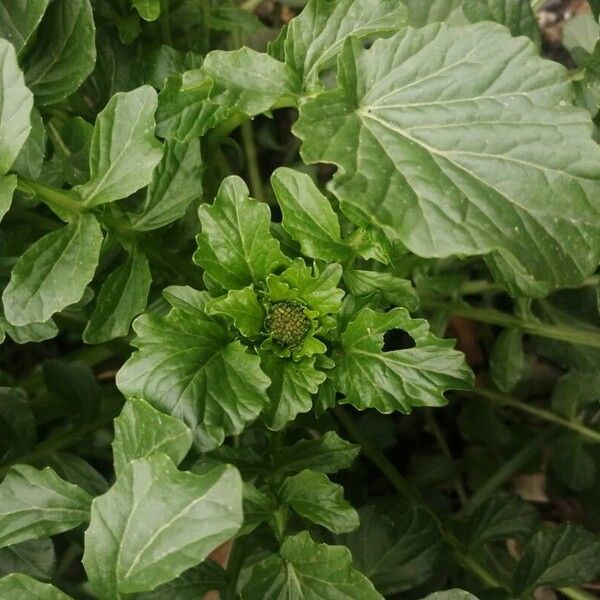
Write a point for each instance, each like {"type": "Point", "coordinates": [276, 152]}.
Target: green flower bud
{"type": "Point", "coordinates": [287, 323]}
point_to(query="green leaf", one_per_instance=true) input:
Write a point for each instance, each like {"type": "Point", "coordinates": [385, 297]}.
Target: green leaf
{"type": "Point", "coordinates": [34, 558]}
{"type": "Point", "coordinates": [507, 359]}
{"type": "Point", "coordinates": [258, 507]}
{"type": "Point", "coordinates": [8, 185]}
{"type": "Point", "coordinates": [392, 289]}
{"type": "Point", "coordinates": [77, 471]}
{"type": "Point", "coordinates": [236, 247]}
{"type": "Point", "coordinates": [442, 168]}
{"type": "Point", "coordinates": [305, 569]}
{"type": "Point", "coordinates": [575, 390]}
{"type": "Point", "coordinates": [149, 10]}
{"type": "Point", "coordinates": [124, 150]}
{"type": "Point", "coordinates": [64, 51]}
{"type": "Point", "coordinates": [398, 379]}
{"type": "Point", "coordinates": [293, 382]}
{"type": "Point", "coordinates": [53, 272]}
{"type": "Point", "coordinates": [156, 522]}
{"type": "Point", "coordinates": [243, 308]}
{"type": "Point", "coordinates": [17, 102]}
{"type": "Point", "coordinates": [395, 553]}
{"type": "Point", "coordinates": [17, 424]}
{"type": "Point", "coordinates": [572, 463]}
{"type": "Point", "coordinates": [517, 15]}
{"type": "Point", "coordinates": [501, 517]}
{"type": "Point", "coordinates": [248, 81]}
{"type": "Point", "coordinates": [558, 557]}
{"type": "Point", "coordinates": [17, 586]}
{"type": "Point", "coordinates": [454, 594]}
{"type": "Point", "coordinates": [188, 365]}
{"type": "Point", "coordinates": [422, 13]}
{"type": "Point", "coordinates": [191, 585]}
{"type": "Point", "coordinates": [313, 40]}
{"type": "Point", "coordinates": [176, 182]}
{"type": "Point", "coordinates": [34, 332]}
{"type": "Point", "coordinates": [122, 297]}
{"type": "Point", "coordinates": [308, 216]}
{"type": "Point", "coordinates": [19, 20]}
{"type": "Point", "coordinates": [313, 496]}
{"type": "Point", "coordinates": [327, 454]}
{"type": "Point", "coordinates": [31, 157]}
{"type": "Point", "coordinates": [595, 6]}
{"type": "Point", "coordinates": [142, 431]}
{"type": "Point", "coordinates": [35, 504]}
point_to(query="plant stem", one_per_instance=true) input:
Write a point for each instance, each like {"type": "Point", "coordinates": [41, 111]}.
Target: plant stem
{"type": "Point", "coordinates": [507, 470]}
{"type": "Point", "coordinates": [405, 488]}
{"type": "Point", "coordinates": [481, 286]}
{"type": "Point", "coordinates": [577, 594]}
{"type": "Point", "coordinates": [53, 197]}
{"type": "Point", "coordinates": [496, 317]}
{"type": "Point", "coordinates": [541, 413]}
{"type": "Point", "coordinates": [254, 175]}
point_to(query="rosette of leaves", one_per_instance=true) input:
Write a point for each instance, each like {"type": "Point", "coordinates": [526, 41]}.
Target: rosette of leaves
{"type": "Point", "coordinates": [286, 317]}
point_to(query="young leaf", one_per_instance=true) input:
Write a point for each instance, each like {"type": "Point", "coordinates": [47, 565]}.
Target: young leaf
{"type": "Point", "coordinates": [176, 182]}
{"type": "Point", "coordinates": [17, 424]}
{"type": "Point", "coordinates": [243, 308]}
{"type": "Point", "coordinates": [313, 40]}
{"type": "Point", "coordinates": [305, 569]}
{"type": "Point", "coordinates": [142, 431]}
{"type": "Point", "coordinates": [499, 518]}
{"type": "Point", "coordinates": [149, 10]}
{"type": "Point", "coordinates": [575, 390]}
{"type": "Point", "coordinates": [156, 522]}
{"type": "Point", "coordinates": [258, 508]}
{"type": "Point", "coordinates": [17, 102]}
{"type": "Point", "coordinates": [188, 366]}
{"type": "Point", "coordinates": [394, 290]}
{"type": "Point", "coordinates": [122, 297]}
{"type": "Point", "coordinates": [248, 81]}
{"type": "Point", "coordinates": [19, 20]}
{"type": "Point", "coordinates": [124, 150]}
{"type": "Point", "coordinates": [401, 132]}
{"type": "Point", "coordinates": [507, 360]}
{"type": "Point", "coordinates": [517, 15]}
{"type": "Point", "coordinates": [35, 504]}
{"type": "Point", "coordinates": [53, 272]}
{"type": "Point", "coordinates": [17, 586]}
{"type": "Point", "coordinates": [64, 51]}
{"type": "Point", "coordinates": [293, 382]}
{"type": "Point", "coordinates": [313, 496]}
{"type": "Point", "coordinates": [308, 216]}
{"type": "Point", "coordinates": [395, 553]}
{"type": "Point", "coordinates": [399, 379]}
{"type": "Point", "coordinates": [326, 454]}
{"type": "Point", "coordinates": [236, 247]}
{"type": "Point", "coordinates": [557, 556]}
{"type": "Point", "coordinates": [34, 558]}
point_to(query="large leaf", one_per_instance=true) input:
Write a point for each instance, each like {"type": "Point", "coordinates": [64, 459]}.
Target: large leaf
{"type": "Point", "coordinates": [305, 569]}
{"type": "Point", "coordinates": [19, 19]}
{"type": "Point", "coordinates": [421, 13]}
{"type": "Point", "coordinates": [308, 216]}
{"type": "Point", "coordinates": [142, 431]}
{"type": "Point", "coordinates": [53, 272]}
{"type": "Point", "coordinates": [124, 150]}
{"type": "Point", "coordinates": [122, 297]}
{"type": "Point", "coordinates": [395, 552]}
{"type": "Point", "coordinates": [176, 181]}
{"type": "Point", "coordinates": [64, 51]}
{"type": "Point", "coordinates": [35, 504]}
{"type": "Point", "coordinates": [452, 158]}
{"type": "Point", "coordinates": [17, 102]}
{"type": "Point", "coordinates": [34, 558]}
{"type": "Point", "coordinates": [236, 247]}
{"type": "Point", "coordinates": [398, 379]}
{"type": "Point", "coordinates": [558, 556]}
{"type": "Point", "coordinates": [311, 41]}
{"type": "Point", "coordinates": [517, 15]}
{"type": "Point", "coordinates": [293, 382]}
{"type": "Point", "coordinates": [188, 365]}
{"type": "Point", "coordinates": [156, 522]}
{"type": "Point", "coordinates": [17, 586]}
{"type": "Point", "coordinates": [313, 496]}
